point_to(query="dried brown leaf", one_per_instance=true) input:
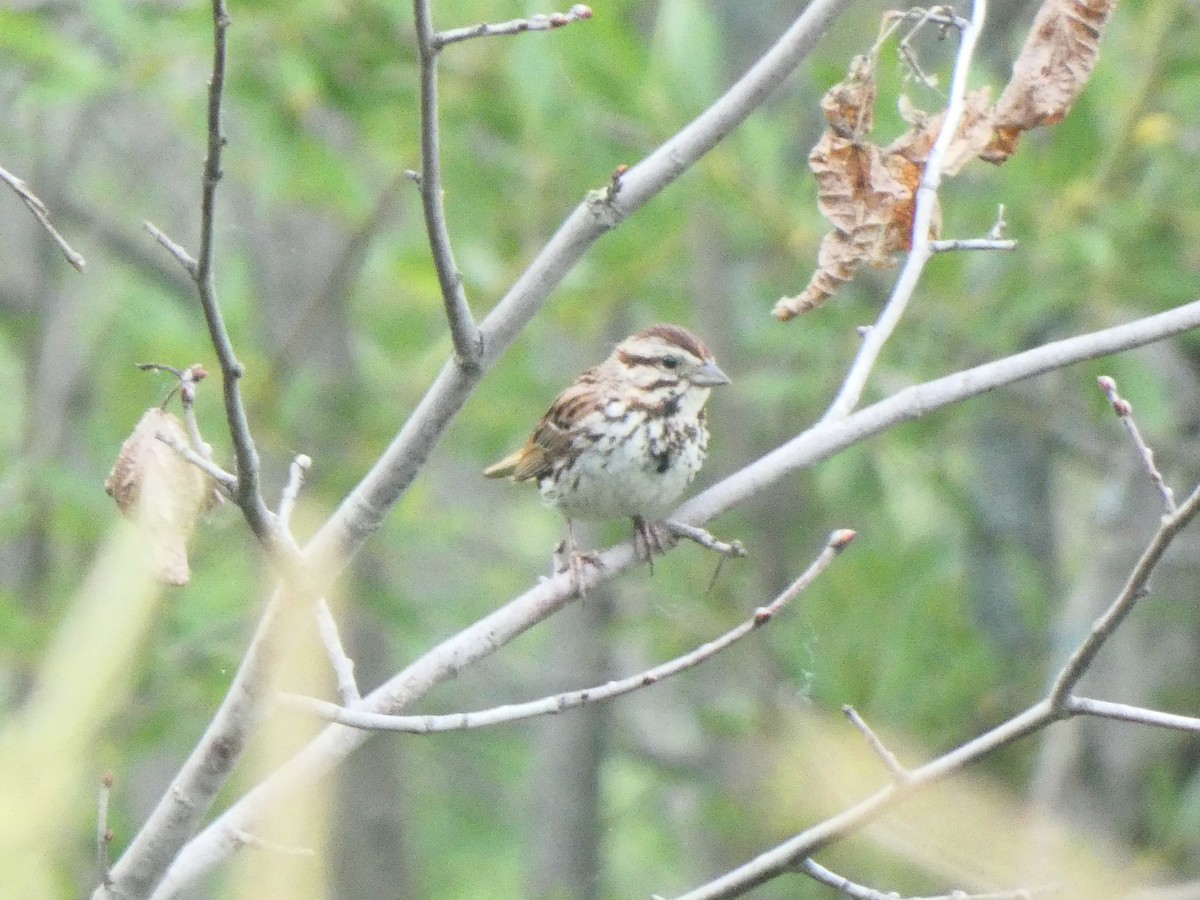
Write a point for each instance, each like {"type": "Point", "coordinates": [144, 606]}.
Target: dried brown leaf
{"type": "Point", "coordinates": [869, 196]}
{"type": "Point", "coordinates": [974, 132]}
{"type": "Point", "coordinates": [837, 260]}
{"type": "Point", "coordinates": [1054, 65]}
{"type": "Point", "coordinates": [161, 492]}
{"type": "Point", "coordinates": [849, 106]}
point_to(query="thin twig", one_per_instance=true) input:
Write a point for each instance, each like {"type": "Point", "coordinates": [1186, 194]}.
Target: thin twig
{"type": "Point", "coordinates": [253, 841]}
{"type": "Point", "coordinates": [950, 245]}
{"type": "Point", "coordinates": [249, 497]}
{"type": "Point", "coordinates": [181, 256]}
{"type": "Point", "coordinates": [226, 481]}
{"type": "Point", "coordinates": [1124, 410]}
{"type": "Point", "coordinates": [339, 660]}
{"type": "Point", "coordinates": [942, 16]}
{"type": "Point", "coordinates": [104, 835]}
{"type": "Point", "coordinates": [38, 208]}
{"type": "Point", "coordinates": [188, 379]}
{"type": "Point", "coordinates": [886, 756]}
{"type": "Point", "coordinates": [291, 490]}
{"type": "Point", "coordinates": [1135, 588]}
{"type": "Point", "coordinates": [926, 201]}
{"type": "Point", "coordinates": [860, 892]}
{"type": "Point", "coordinates": [538, 22]}
{"type": "Point", "coordinates": [514, 712]}
{"type": "Point", "coordinates": [1121, 712]}
{"type": "Point", "coordinates": [468, 344]}
{"type": "Point", "coordinates": [702, 537]}
{"type": "Point", "coordinates": [904, 49]}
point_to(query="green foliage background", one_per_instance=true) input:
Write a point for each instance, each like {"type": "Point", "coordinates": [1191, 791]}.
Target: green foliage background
{"type": "Point", "coordinates": [975, 526]}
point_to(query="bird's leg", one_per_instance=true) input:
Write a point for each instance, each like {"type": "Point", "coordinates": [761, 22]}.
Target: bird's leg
{"type": "Point", "coordinates": [575, 559]}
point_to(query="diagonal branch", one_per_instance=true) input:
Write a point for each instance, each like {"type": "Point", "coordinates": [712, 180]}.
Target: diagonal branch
{"type": "Point", "coordinates": [1138, 715]}
{"type": "Point", "coordinates": [515, 712]}
{"type": "Point", "coordinates": [845, 886]}
{"type": "Point", "coordinates": [38, 208]}
{"type": "Point", "coordinates": [1124, 410]}
{"type": "Point", "coordinates": [1135, 588]}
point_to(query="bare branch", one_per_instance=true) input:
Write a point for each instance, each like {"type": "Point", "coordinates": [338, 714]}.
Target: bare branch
{"type": "Point", "coordinates": [1124, 410]}
{"type": "Point", "coordinates": [227, 481]}
{"type": "Point", "coordinates": [826, 438]}
{"type": "Point", "coordinates": [1139, 715]}
{"type": "Point", "coordinates": [860, 892]}
{"type": "Point", "coordinates": [248, 495]}
{"type": "Point", "coordinates": [898, 772]}
{"type": "Point", "coordinates": [926, 202]}
{"type": "Point", "coordinates": [1135, 588]}
{"type": "Point", "coordinates": [254, 842]}
{"type": "Point", "coordinates": [181, 255]}
{"type": "Point", "coordinates": [247, 491]}
{"type": "Point", "coordinates": [291, 490]}
{"type": "Point", "coordinates": [704, 539]}
{"type": "Point", "coordinates": [947, 246]}
{"type": "Point", "coordinates": [103, 835]}
{"type": "Point", "coordinates": [571, 699]}
{"type": "Point", "coordinates": [38, 208]}
{"type": "Point", "coordinates": [539, 22]}
{"type": "Point", "coordinates": [1058, 704]}
{"type": "Point", "coordinates": [468, 343]}
{"type": "Point", "coordinates": [339, 660]}
{"type": "Point", "coordinates": [784, 857]}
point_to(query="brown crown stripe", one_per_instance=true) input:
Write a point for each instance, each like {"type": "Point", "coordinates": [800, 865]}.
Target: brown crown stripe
{"type": "Point", "coordinates": [680, 337]}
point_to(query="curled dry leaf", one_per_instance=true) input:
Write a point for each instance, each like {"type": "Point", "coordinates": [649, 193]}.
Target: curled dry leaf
{"type": "Point", "coordinates": [868, 193]}
{"type": "Point", "coordinates": [161, 492]}
{"type": "Point", "coordinates": [974, 132]}
{"type": "Point", "coordinates": [1054, 65]}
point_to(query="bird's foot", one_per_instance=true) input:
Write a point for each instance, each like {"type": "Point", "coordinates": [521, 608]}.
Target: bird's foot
{"type": "Point", "coordinates": [569, 558]}
{"type": "Point", "coordinates": [647, 540]}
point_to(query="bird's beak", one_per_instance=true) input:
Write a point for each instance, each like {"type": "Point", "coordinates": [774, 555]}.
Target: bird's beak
{"type": "Point", "coordinates": [708, 375]}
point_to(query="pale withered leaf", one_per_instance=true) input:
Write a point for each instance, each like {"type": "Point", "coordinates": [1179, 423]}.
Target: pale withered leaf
{"type": "Point", "coordinates": [1055, 63]}
{"type": "Point", "coordinates": [161, 492]}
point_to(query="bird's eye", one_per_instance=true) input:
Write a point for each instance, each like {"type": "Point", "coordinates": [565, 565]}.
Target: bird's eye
{"type": "Point", "coordinates": [671, 362]}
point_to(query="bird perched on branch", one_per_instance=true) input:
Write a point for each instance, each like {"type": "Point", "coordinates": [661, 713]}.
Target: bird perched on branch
{"type": "Point", "coordinates": [625, 438]}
